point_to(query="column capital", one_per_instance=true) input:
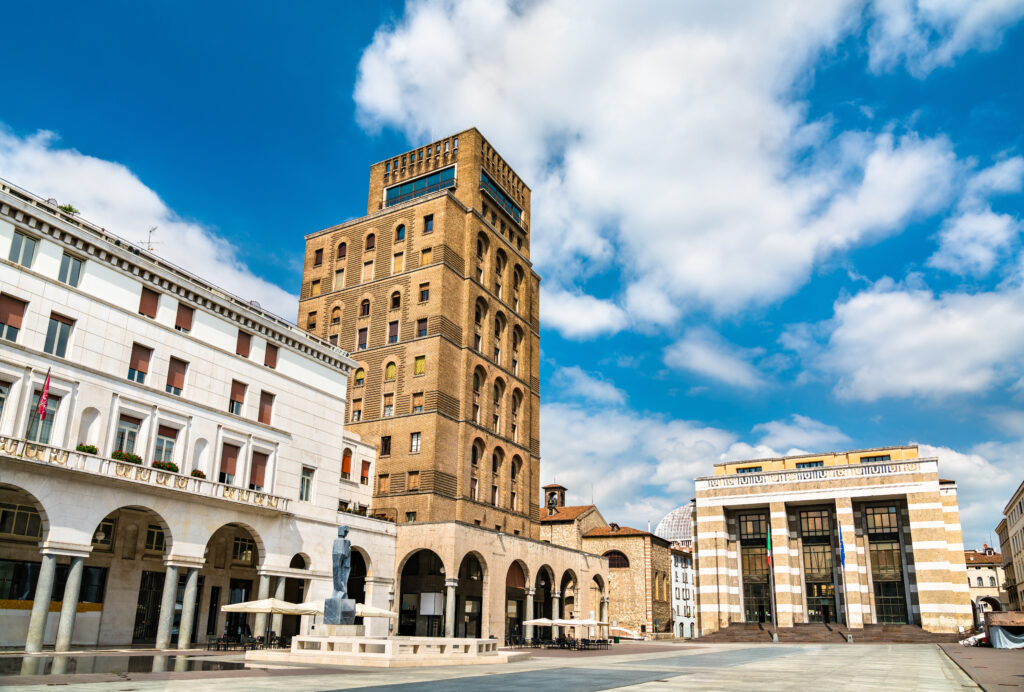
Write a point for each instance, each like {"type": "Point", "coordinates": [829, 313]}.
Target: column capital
{"type": "Point", "coordinates": [184, 561]}
{"type": "Point", "coordinates": [451, 582]}
{"type": "Point", "coordinates": [556, 594]}
{"type": "Point", "coordinates": [387, 581]}
{"type": "Point", "coordinates": [58, 549]}
{"type": "Point", "coordinates": [531, 592]}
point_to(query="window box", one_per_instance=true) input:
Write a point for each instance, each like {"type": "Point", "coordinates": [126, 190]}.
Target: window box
{"type": "Point", "coordinates": [88, 449]}
{"type": "Point", "coordinates": [165, 466]}
{"type": "Point", "coordinates": [196, 473]}
{"type": "Point", "coordinates": [126, 456]}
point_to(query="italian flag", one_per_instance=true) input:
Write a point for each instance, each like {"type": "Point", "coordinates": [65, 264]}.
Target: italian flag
{"type": "Point", "coordinates": [769, 547]}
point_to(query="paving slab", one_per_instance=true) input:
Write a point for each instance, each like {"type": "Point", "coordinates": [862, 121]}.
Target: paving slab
{"type": "Point", "coordinates": [991, 669]}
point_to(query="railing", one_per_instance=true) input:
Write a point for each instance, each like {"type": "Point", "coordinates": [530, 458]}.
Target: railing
{"type": "Point", "coordinates": [136, 473]}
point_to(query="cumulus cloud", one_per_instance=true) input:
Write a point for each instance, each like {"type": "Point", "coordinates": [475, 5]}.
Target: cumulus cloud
{"type": "Point", "coordinates": [574, 382]}
{"type": "Point", "coordinates": [705, 353]}
{"type": "Point", "coordinates": [800, 434]}
{"type": "Point", "coordinates": [110, 195]}
{"type": "Point", "coordinates": [716, 193]}
{"type": "Point", "coordinates": [929, 34]}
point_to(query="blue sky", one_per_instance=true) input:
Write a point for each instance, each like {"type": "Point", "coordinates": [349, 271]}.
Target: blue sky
{"type": "Point", "coordinates": [761, 228]}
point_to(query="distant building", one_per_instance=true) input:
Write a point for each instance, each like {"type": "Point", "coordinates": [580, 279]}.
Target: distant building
{"type": "Point", "coordinates": [1011, 544]}
{"type": "Point", "coordinates": [677, 528]}
{"type": "Point", "coordinates": [896, 520]}
{"type": "Point", "coordinates": [986, 578]}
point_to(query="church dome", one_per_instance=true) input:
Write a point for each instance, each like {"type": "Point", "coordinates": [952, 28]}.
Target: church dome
{"type": "Point", "coordinates": [677, 526]}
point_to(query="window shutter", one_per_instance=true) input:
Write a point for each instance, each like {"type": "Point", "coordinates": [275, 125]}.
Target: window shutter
{"type": "Point", "coordinates": [421, 365]}
{"type": "Point", "coordinates": [362, 338]}
{"type": "Point", "coordinates": [237, 390]}
{"type": "Point", "coordinates": [270, 357]}
{"type": "Point", "coordinates": [399, 263]}
{"type": "Point", "coordinates": [244, 342]}
{"type": "Point", "coordinates": [259, 469]}
{"type": "Point", "coordinates": [11, 311]}
{"type": "Point", "coordinates": [393, 331]}
{"type": "Point", "coordinates": [228, 459]}
{"type": "Point", "coordinates": [366, 470]}
{"type": "Point", "coordinates": [148, 302]}
{"type": "Point", "coordinates": [176, 373]}
{"type": "Point", "coordinates": [125, 418]}
{"type": "Point", "coordinates": [184, 318]}
{"type": "Point", "coordinates": [346, 462]}
{"type": "Point", "coordinates": [62, 318]}
{"type": "Point", "coordinates": [140, 358]}
{"type": "Point", "coordinates": [166, 431]}
{"type": "Point", "coordinates": [266, 407]}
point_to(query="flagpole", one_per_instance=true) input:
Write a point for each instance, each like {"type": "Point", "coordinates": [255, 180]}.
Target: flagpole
{"type": "Point", "coordinates": [842, 574]}
{"type": "Point", "coordinates": [771, 583]}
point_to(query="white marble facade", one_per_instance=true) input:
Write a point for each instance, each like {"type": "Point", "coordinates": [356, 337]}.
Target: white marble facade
{"type": "Point", "coordinates": [684, 594]}
{"type": "Point", "coordinates": [118, 543]}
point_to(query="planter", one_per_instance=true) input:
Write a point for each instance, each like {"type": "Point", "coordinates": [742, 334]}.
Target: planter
{"type": "Point", "coordinates": [88, 449]}
{"type": "Point", "coordinates": [165, 466]}
{"type": "Point", "coordinates": [196, 473]}
{"type": "Point", "coordinates": [127, 456]}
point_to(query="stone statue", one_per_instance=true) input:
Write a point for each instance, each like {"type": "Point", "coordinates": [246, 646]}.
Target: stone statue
{"type": "Point", "coordinates": [339, 609]}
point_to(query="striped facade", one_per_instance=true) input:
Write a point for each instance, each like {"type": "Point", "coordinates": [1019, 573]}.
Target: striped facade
{"type": "Point", "coordinates": [899, 525]}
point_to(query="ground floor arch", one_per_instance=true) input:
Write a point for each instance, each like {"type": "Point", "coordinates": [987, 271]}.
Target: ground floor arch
{"type": "Point", "coordinates": [515, 600]}
{"type": "Point", "coordinates": [421, 595]}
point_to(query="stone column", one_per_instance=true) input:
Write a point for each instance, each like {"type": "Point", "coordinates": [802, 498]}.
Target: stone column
{"type": "Point", "coordinates": [449, 607]}
{"type": "Point", "coordinates": [163, 631]}
{"type": "Point", "coordinates": [556, 612]}
{"type": "Point", "coordinates": [778, 524]}
{"type": "Point", "coordinates": [263, 591]}
{"type": "Point", "coordinates": [41, 604]}
{"type": "Point", "coordinates": [69, 606]}
{"type": "Point", "coordinates": [603, 616]}
{"type": "Point", "coordinates": [277, 620]}
{"type": "Point", "coordinates": [854, 597]}
{"type": "Point", "coordinates": [188, 608]}
{"type": "Point", "coordinates": [528, 629]}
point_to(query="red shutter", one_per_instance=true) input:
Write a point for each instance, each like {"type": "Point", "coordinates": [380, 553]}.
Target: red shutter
{"type": "Point", "coordinates": [237, 391]}
{"type": "Point", "coordinates": [140, 358]}
{"type": "Point", "coordinates": [270, 357]}
{"type": "Point", "coordinates": [148, 302]}
{"type": "Point", "coordinates": [131, 419]}
{"type": "Point", "coordinates": [259, 469]}
{"type": "Point", "coordinates": [244, 341]}
{"type": "Point", "coordinates": [176, 373]}
{"type": "Point", "coordinates": [62, 318]}
{"type": "Point", "coordinates": [184, 318]}
{"type": "Point", "coordinates": [228, 458]}
{"type": "Point", "coordinates": [393, 331]}
{"type": "Point", "coordinates": [11, 311]}
{"type": "Point", "coordinates": [362, 337]}
{"type": "Point", "coordinates": [366, 470]}
{"type": "Point", "coordinates": [266, 407]}
{"type": "Point", "coordinates": [346, 462]}
{"type": "Point", "coordinates": [165, 431]}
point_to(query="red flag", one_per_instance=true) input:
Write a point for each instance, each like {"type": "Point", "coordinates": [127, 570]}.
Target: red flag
{"type": "Point", "coordinates": [44, 398]}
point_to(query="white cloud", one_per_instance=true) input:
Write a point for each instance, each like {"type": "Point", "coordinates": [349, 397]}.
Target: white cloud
{"type": "Point", "coordinates": [574, 382]}
{"type": "Point", "coordinates": [899, 341]}
{"type": "Point", "coordinates": [110, 195]}
{"type": "Point", "coordinates": [716, 193]}
{"type": "Point", "coordinates": [703, 352]}
{"type": "Point", "coordinates": [929, 34]}
{"type": "Point", "coordinates": [580, 316]}
{"type": "Point", "coordinates": [801, 434]}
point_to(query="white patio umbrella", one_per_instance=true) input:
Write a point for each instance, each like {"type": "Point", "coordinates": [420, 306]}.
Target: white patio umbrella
{"type": "Point", "coordinates": [631, 633]}
{"type": "Point", "coordinates": [362, 610]}
{"type": "Point", "coordinates": [269, 605]}
{"type": "Point", "coordinates": [539, 622]}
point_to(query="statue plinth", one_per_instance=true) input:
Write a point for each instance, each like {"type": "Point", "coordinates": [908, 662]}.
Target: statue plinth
{"type": "Point", "coordinates": [339, 611]}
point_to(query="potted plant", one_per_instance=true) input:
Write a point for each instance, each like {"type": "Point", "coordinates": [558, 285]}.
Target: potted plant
{"type": "Point", "coordinates": [126, 456]}
{"type": "Point", "coordinates": [196, 473]}
{"type": "Point", "coordinates": [165, 466]}
{"type": "Point", "coordinates": [88, 449]}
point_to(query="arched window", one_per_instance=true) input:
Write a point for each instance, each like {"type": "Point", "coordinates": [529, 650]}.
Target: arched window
{"type": "Point", "coordinates": [336, 315]}
{"type": "Point", "coordinates": [477, 452]}
{"type": "Point", "coordinates": [992, 581]}
{"type": "Point", "coordinates": [481, 247]}
{"type": "Point", "coordinates": [980, 582]}
{"type": "Point", "coordinates": [390, 371]}
{"type": "Point", "coordinates": [496, 459]}
{"type": "Point", "coordinates": [514, 469]}
{"type": "Point", "coordinates": [617, 560]}
{"type": "Point", "coordinates": [396, 300]}
{"type": "Point", "coordinates": [400, 233]}
{"type": "Point", "coordinates": [499, 389]}
{"type": "Point", "coordinates": [371, 241]}
{"type": "Point", "coordinates": [360, 377]}
{"type": "Point", "coordinates": [476, 383]}
{"type": "Point", "coordinates": [499, 262]}
{"type": "Point", "coordinates": [342, 251]}
{"type": "Point", "coordinates": [364, 307]}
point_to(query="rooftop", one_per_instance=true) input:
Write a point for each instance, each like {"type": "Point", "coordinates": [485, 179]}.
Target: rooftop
{"type": "Point", "coordinates": [973, 557]}
{"type": "Point", "coordinates": [566, 513]}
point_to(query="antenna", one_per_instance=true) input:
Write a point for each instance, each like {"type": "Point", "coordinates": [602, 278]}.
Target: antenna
{"type": "Point", "coordinates": [149, 242]}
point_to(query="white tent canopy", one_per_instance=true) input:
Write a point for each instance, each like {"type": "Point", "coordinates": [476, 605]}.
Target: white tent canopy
{"type": "Point", "coordinates": [539, 622]}
{"type": "Point", "coordinates": [269, 605]}
{"type": "Point", "coordinates": [362, 610]}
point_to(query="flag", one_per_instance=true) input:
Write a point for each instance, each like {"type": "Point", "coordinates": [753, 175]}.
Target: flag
{"type": "Point", "coordinates": [842, 550]}
{"type": "Point", "coordinates": [769, 547]}
{"type": "Point", "coordinates": [44, 398]}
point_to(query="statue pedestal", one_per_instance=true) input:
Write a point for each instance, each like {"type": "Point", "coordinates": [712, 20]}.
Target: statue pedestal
{"type": "Point", "coordinates": [339, 611]}
{"type": "Point", "coordinates": [341, 631]}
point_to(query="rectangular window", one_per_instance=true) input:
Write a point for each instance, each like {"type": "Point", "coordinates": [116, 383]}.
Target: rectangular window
{"type": "Point", "coordinates": [258, 473]}
{"type": "Point", "coordinates": [875, 459]}
{"type": "Point", "coordinates": [389, 405]}
{"type": "Point", "coordinates": [243, 344]}
{"type": "Point", "coordinates": [488, 186]}
{"type": "Point", "coordinates": [228, 462]}
{"type": "Point", "coordinates": [314, 288]}
{"type": "Point", "coordinates": [339, 279]}
{"type": "Point", "coordinates": [413, 482]}
{"type": "Point", "coordinates": [166, 436]}
{"type": "Point", "coordinates": [357, 410]}
{"type": "Point", "coordinates": [424, 292]}
{"type": "Point", "coordinates": [420, 365]}
{"type": "Point", "coordinates": [333, 339]}
{"type": "Point", "coordinates": [148, 303]}
{"type": "Point", "coordinates": [477, 342]}
{"type": "Point", "coordinates": [414, 442]}
{"type": "Point", "coordinates": [266, 407]}
{"type": "Point", "coordinates": [12, 311]}
{"type": "Point", "coordinates": [881, 520]}
{"type": "Point", "coordinates": [364, 476]}
{"type": "Point", "coordinates": [23, 249]}
{"type": "Point", "coordinates": [183, 320]}
{"type": "Point", "coordinates": [383, 483]}
{"type": "Point", "coordinates": [19, 521]}
{"type": "Point", "coordinates": [155, 539]}
{"type": "Point", "coordinates": [428, 223]}
{"type": "Point", "coordinates": [138, 364]}
{"type": "Point", "coordinates": [5, 391]}
{"type": "Point", "coordinates": [361, 343]}
{"type": "Point", "coordinates": [70, 270]}
{"type": "Point", "coordinates": [176, 370]}
{"type": "Point", "coordinates": [127, 434]}
{"type": "Point", "coordinates": [103, 539]}
{"type": "Point", "coordinates": [410, 517]}
{"type": "Point", "coordinates": [40, 431]}
{"type": "Point", "coordinates": [753, 527]}
{"type": "Point", "coordinates": [417, 402]}
{"type": "Point", "coordinates": [749, 469]}
{"type": "Point", "coordinates": [814, 523]}
{"type": "Point", "coordinates": [393, 332]}
{"type": "Point", "coordinates": [421, 327]}
{"type": "Point", "coordinates": [398, 263]}
{"type": "Point", "coordinates": [476, 413]}
{"type": "Point", "coordinates": [368, 271]}
{"type": "Point", "coordinates": [426, 256]}
{"type": "Point", "coordinates": [243, 550]}
{"type": "Point", "coordinates": [809, 464]}
{"type": "Point", "coordinates": [237, 397]}
{"type": "Point", "coordinates": [318, 257]}
{"type": "Point", "coordinates": [270, 356]}
{"type": "Point", "coordinates": [385, 445]}
{"type": "Point", "coordinates": [515, 366]}
{"type": "Point", "coordinates": [494, 495]}
{"type": "Point", "coordinates": [58, 333]}
{"type": "Point", "coordinates": [424, 185]}
{"type": "Point", "coordinates": [306, 484]}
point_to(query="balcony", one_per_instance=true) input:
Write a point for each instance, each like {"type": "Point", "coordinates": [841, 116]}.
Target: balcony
{"type": "Point", "coordinates": [122, 471]}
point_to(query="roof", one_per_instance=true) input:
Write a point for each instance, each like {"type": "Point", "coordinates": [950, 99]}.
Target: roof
{"type": "Point", "coordinates": [566, 513]}
{"type": "Point", "coordinates": [976, 558]}
{"type": "Point", "coordinates": [677, 524]}
{"type": "Point", "coordinates": [602, 531]}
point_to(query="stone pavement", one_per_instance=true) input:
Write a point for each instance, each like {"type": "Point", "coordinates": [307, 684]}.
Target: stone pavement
{"type": "Point", "coordinates": [992, 669]}
{"type": "Point", "coordinates": [768, 667]}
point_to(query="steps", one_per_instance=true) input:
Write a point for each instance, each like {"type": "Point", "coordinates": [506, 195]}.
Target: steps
{"type": "Point", "coordinates": [816, 633]}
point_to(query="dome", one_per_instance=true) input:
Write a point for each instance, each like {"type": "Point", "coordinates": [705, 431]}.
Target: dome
{"type": "Point", "coordinates": [677, 526]}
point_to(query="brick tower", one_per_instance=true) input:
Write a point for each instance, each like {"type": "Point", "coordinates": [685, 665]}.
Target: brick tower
{"type": "Point", "coordinates": [434, 294]}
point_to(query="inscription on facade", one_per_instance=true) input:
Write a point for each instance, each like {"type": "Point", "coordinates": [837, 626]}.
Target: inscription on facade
{"type": "Point", "coordinates": [820, 474]}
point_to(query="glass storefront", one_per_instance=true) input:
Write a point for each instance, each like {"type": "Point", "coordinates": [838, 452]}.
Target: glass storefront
{"type": "Point", "coordinates": [754, 558]}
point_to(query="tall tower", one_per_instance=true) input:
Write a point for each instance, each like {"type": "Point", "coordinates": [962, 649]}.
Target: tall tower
{"type": "Point", "coordinates": [434, 294]}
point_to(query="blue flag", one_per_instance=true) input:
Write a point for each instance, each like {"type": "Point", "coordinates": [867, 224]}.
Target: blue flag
{"type": "Point", "coordinates": [842, 550]}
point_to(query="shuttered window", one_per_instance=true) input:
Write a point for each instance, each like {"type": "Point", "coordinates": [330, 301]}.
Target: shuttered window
{"type": "Point", "coordinates": [270, 356]}
{"type": "Point", "coordinates": [183, 321]}
{"type": "Point", "coordinates": [258, 474]}
{"type": "Point", "coordinates": [266, 407]}
{"type": "Point", "coordinates": [243, 344]}
{"type": "Point", "coordinates": [228, 462]}
{"type": "Point", "coordinates": [58, 333]}
{"type": "Point", "coordinates": [393, 332]}
{"type": "Point", "coordinates": [362, 339]}
{"type": "Point", "coordinates": [420, 365]}
{"type": "Point", "coordinates": [399, 263]}
{"type": "Point", "coordinates": [368, 270]}
{"type": "Point", "coordinates": [148, 302]}
{"type": "Point", "coordinates": [12, 311]}
{"type": "Point", "coordinates": [318, 257]}
{"type": "Point", "coordinates": [417, 402]}
{"type": "Point", "coordinates": [364, 475]}
{"type": "Point", "coordinates": [176, 376]}
{"type": "Point", "coordinates": [237, 397]}
{"type": "Point", "coordinates": [357, 410]}
{"type": "Point", "coordinates": [346, 464]}
{"type": "Point", "coordinates": [138, 364]}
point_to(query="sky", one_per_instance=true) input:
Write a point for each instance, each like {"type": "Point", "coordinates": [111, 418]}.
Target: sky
{"type": "Point", "coordinates": [762, 228]}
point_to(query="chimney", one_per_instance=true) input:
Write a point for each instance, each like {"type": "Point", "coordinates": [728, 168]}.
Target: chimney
{"type": "Point", "coordinates": [614, 527]}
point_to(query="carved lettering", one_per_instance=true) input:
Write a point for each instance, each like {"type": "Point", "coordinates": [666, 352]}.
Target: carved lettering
{"type": "Point", "coordinates": [142, 474]}
{"type": "Point", "coordinates": [37, 452]}
{"type": "Point", "coordinates": [820, 474]}
{"type": "Point", "coordinates": [122, 470]}
{"type": "Point", "coordinates": [228, 492]}
{"type": "Point", "coordinates": [58, 456]}
{"type": "Point", "coordinates": [9, 445]}
{"type": "Point", "coordinates": [163, 478]}
{"type": "Point", "coordinates": [259, 499]}
{"type": "Point", "coordinates": [180, 482]}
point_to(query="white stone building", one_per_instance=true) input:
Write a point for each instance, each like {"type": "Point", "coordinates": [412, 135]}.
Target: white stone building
{"type": "Point", "coordinates": [148, 364]}
{"type": "Point", "coordinates": [684, 607]}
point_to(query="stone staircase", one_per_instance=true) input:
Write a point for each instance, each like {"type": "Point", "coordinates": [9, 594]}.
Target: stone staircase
{"type": "Point", "coordinates": [756, 632]}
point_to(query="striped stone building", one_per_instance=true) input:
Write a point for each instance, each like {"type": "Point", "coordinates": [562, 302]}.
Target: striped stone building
{"type": "Point", "coordinates": [900, 530]}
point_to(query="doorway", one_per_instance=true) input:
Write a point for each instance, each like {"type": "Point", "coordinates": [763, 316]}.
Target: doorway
{"type": "Point", "coordinates": [147, 612]}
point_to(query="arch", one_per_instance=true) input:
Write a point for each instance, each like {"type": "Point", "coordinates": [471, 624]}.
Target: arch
{"type": "Point", "coordinates": [89, 427]}
{"type": "Point", "coordinates": [517, 338]}
{"type": "Point", "coordinates": [360, 377]}
{"type": "Point", "coordinates": [396, 300]}
{"type": "Point", "coordinates": [342, 250]}
{"type": "Point", "coordinates": [336, 315]}
{"type": "Point", "coordinates": [515, 601]}
{"type": "Point", "coordinates": [364, 308]}
{"type": "Point", "coordinates": [497, 459]}
{"type": "Point", "coordinates": [543, 604]}
{"type": "Point", "coordinates": [499, 389]}
{"type": "Point", "coordinates": [299, 561]}
{"type": "Point", "coordinates": [346, 464]}
{"type": "Point", "coordinates": [370, 243]}
{"type": "Point", "coordinates": [479, 377]}
{"type": "Point", "coordinates": [500, 261]}
{"type": "Point", "coordinates": [477, 451]}
{"type": "Point", "coordinates": [482, 244]}
{"type": "Point", "coordinates": [234, 552]}
{"type": "Point", "coordinates": [19, 497]}
{"type": "Point", "coordinates": [517, 276]}
{"type": "Point", "coordinates": [617, 559]}
{"type": "Point", "coordinates": [515, 467]}
{"type": "Point", "coordinates": [469, 595]}
{"type": "Point", "coordinates": [568, 585]}
{"type": "Point", "coordinates": [421, 592]}
{"type": "Point", "coordinates": [993, 603]}
{"type": "Point", "coordinates": [992, 582]}
{"type": "Point", "coordinates": [390, 372]}
{"type": "Point", "coordinates": [358, 572]}
{"type": "Point", "coordinates": [400, 233]}
{"type": "Point", "coordinates": [981, 582]}
{"type": "Point", "coordinates": [499, 324]}
{"type": "Point", "coordinates": [480, 311]}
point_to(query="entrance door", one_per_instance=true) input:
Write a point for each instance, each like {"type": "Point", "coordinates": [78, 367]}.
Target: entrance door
{"type": "Point", "coordinates": [756, 602]}
{"type": "Point", "coordinates": [147, 612]}
{"type": "Point", "coordinates": [821, 603]}
{"type": "Point", "coordinates": [238, 623]}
